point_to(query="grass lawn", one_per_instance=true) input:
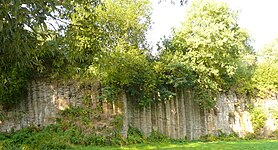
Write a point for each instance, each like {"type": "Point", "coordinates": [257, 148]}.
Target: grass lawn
{"type": "Point", "coordinates": [219, 145]}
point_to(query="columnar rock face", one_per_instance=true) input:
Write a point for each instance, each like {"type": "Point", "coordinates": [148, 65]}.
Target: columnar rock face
{"type": "Point", "coordinates": [181, 117]}
{"type": "Point", "coordinates": [45, 99]}
{"type": "Point", "coordinates": [177, 118]}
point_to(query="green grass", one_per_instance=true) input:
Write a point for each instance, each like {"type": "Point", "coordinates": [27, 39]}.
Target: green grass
{"type": "Point", "coordinates": [219, 145]}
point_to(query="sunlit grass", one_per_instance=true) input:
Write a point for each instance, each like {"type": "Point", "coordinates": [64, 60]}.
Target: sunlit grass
{"type": "Point", "coordinates": [197, 145]}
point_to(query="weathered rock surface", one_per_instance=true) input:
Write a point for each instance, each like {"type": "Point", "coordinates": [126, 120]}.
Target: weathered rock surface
{"type": "Point", "coordinates": [178, 118]}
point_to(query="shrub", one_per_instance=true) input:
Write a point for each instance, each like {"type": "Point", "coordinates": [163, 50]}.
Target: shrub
{"type": "Point", "coordinates": [220, 136]}
{"type": "Point", "coordinates": [35, 138]}
{"type": "Point", "coordinates": [258, 118]}
{"type": "Point", "coordinates": [156, 136]}
{"type": "Point", "coordinates": [135, 136]}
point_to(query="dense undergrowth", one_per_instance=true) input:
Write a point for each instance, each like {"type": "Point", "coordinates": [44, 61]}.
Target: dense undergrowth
{"type": "Point", "coordinates": [56, 137]}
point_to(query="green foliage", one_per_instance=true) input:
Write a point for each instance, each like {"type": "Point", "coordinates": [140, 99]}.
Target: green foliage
{"type": "Point", "coordinates": [22, 30]}
{"type": "Point", "coordinates": [79, 117]}
{"type": "Point", "coordinates": [156, 136]}
{"type": "Point", "coordinates": [273, 135]}
{"type": "Point", "coordinates": [251, 136]}
{"type": "Point", "coordinates": [258, 118]}
{"type": "Point", "coordinates": [124, 65]}
{"type": "Point", "coordinates": [102, 44]}
{"type": "Point", "coordinates": [53, 60]}
{"type": "Point", "coordinates": [135, 136]}
{"type": "Point", "coordinates": [117, 122]}
{"type": "Point", "coordinates": [35, 138]}
{"type": "Point", "coordinates": [220, 137]}
{"type": "Point", "coordinates": [98, 44]}
{"type": "Point", "coordinates": [94, 34]}
{"type": "Point", "coordinates": [109, 93]}
{"type": "Point", "coordinates": [80, 126]}
{"type": "Point", "coordinates": [274, 112]}
{"type": "Point", "coordinates": [242, 81]}
{"type": "Point", "coordinates": [208, 48]}
{"type": "Point", "coordinates": [57, 137]}
{"type": "Point", "coordinates": [74, 112]}
{"type": "Point", "coordinates": [127, 70]}
{"type": "Point", "coordinates": [265, 78]}
{"type": "Point", "coordinates": [96, 30]}
{"type": "Point", "coordinates": [13, 86]}
{"type": "Point", "coordinates": [131, 28]}
{"type": "Point", "coordinates": [14, 68]}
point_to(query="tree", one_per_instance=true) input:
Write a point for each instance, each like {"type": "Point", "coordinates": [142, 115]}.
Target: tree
{"type": "Point", "coordinates": [265, 78]}
{"type": "Point", "coordinates": [22, 29]}
{"type": "Point", "coordinates": [124, 64]}
{"type": "Point", "coordinates": [20, 26]}
{"type": "Point", "coordinates": [95, 30]}
{"type": "Point", "coordinates": [209, 45]}
{"type": "Point", "coordinates": [106, 42]}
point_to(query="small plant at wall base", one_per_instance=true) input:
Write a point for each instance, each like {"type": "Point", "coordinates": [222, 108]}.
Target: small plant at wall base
{"type": "Point", "coordinates": [156, 136]}
{"type": "Point", "coordinates": [135, 135]}
{"type": "Point", "coordinates": [220, 137]}
{"type": "Point", "coordinates": [258, 118]}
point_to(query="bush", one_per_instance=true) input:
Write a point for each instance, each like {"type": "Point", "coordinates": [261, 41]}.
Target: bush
{"type": "Point", "coordinates": [258, 118]}
{"type": "Point", "coordinates": [135, 136]}
{"type": "Point", "coordinates": [94, 139]}
{"type": "Point", "coordinates": [250, 136]}
{"type": "Point", "coordinates": [274, 135]}
{"type": "Point", "coordinates": [35, 138]}
{"type": "Point", "coordinates": [220, 136]}
{"type": "Point", "coordinates": [55, 137]}
{"type": "Point", "coordinates": [156, 136]}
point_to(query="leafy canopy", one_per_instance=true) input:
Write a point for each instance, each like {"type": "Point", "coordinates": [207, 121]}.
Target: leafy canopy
{"type": "Point", "coordinates": [265, 78]}
{"type": "Point", "coordinates": [208, 45]}
{"type": "Point", "coordinates": [106, 41]}
{"type": "Point", "coordinates": [22, 30]}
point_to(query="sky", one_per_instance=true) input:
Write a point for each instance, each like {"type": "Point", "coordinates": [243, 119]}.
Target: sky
{"type": "Point", "coordinates": [258, 17]}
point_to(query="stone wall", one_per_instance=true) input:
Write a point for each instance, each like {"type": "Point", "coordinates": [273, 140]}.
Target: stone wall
{"type": "Point", "coordinates": [178, 118]}
{"type": "Point", "coordinates": [43, 102]}
{"type": "Point", "coordinates": [45, 99]}
{"type": "Point", "coordinates": [181, 117]}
